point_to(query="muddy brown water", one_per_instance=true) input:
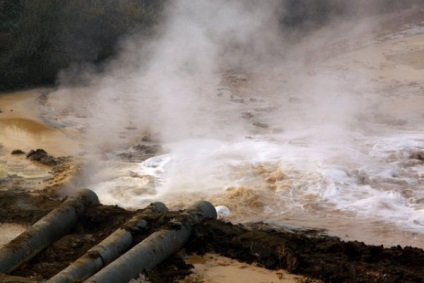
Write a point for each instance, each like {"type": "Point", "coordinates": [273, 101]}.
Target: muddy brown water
{"type": "Point", "coordinates": [21, 125]}
{"type": "Point", "coordinates": [229, 240]}
{"type": "Point", "coordinates": [387, 63]}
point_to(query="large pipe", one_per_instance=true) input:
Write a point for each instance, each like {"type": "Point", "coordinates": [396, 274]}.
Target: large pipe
{"type": "Point", "coordinates": [155, 248]}
{"type": "Point", "coordinates": [47, 230]}
{"type": "Point", "coordinates": [106, 251]}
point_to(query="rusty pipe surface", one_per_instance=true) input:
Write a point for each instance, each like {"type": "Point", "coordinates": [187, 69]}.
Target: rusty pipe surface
{"type": "Point", "coordinates": [45, 231]}
{"type": "Point", "coordinates": [107, 250]}
{"type": "Point", "coordinates": [155, 248]}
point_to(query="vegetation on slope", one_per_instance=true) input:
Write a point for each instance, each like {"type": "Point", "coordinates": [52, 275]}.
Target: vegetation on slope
{"type": "Point", "coordinates": [38, 38]}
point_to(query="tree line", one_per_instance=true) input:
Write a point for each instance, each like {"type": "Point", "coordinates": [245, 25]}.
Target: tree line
{"type": "Point", "coordinates": [38, 38]}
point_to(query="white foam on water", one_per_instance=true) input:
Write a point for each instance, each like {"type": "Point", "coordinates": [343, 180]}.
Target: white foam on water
{"type": "Point", "coordinates": [374, 178]}
{"type": "Point", "coordinates": [386, 185]}
{"type": "Point", "coordinates": [222, 211]}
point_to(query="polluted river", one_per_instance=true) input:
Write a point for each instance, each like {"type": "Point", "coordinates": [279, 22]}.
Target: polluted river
{"type": "Point", "coordinates": [329, 136]}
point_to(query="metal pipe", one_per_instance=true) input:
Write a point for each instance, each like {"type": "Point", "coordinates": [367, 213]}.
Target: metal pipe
{"type": "Point", "coordinates": [106, 251]}
{"type": "Point", "coordinates": [47, 230]}
{"type": "Point", "coordinates": [155, 248]}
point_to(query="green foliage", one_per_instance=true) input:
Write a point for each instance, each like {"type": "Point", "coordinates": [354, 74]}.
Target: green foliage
{"type": "Point", "coordinates": [38, 38]}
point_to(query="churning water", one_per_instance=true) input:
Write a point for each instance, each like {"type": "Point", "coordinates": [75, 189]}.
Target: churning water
{"type": "Point", "coordinates": [325, 133]}
{"type": "Point", "coordinates": [290, 164]}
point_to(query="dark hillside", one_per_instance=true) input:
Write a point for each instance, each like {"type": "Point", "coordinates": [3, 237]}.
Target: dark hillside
{"type": "Point", "coordinates": [38, 38]}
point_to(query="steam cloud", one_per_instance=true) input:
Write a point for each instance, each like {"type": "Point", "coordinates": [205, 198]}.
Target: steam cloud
{"type": "Point", "coordinates": [162, 87]}
{"type": "Point", "coordinates": [169, 84]}
{"type": "Point", "coordinates": [227, 71]}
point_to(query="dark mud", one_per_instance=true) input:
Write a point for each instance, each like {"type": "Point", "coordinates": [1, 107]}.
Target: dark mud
{"type": "Point", "coordinates": [41, 156]}
{"type": "Point", "coordinates": [309, 253]}
{"type": "Point", "coordinates": [56, 173]}
{"type": "Point", "coordinates": [23, 207]}
{"type": "Point", "coordinates": [305, 252]}
{"type": "Point", "coordinates": [146, 148]}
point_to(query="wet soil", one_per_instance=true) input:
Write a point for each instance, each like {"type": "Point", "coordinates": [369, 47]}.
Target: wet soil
{"type": "Point", "coordinates": [305, 252]}
{"type": "Point", "coordinates": [309, 253]}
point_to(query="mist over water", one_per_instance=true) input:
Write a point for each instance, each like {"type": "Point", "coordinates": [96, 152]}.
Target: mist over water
{"type": "Point", "coordinates": [249, 118]}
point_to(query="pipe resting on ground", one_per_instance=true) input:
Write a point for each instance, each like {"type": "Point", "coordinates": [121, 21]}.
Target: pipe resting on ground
{"type": "Point", "coordinates": [106, 251]}
{"type": "Point", "coordinates": [155, 248]}
{"type": "Point", "coordinates": [47, 230]}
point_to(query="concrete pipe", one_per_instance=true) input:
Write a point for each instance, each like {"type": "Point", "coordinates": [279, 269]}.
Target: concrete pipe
{"type": "Point", "coordinates": [107, 250]}
{"type": "Point", "coordinates": [155, 248]}
{"type": "Point", "coordinates": [47, 230]}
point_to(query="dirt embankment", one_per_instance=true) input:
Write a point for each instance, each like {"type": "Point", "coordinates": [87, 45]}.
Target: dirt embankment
{"type": "Point", "coordinates": [305, 252]}
{"type": "Point", "coordinates": [309, 253]}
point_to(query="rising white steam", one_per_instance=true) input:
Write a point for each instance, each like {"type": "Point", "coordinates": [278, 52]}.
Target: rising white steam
{"type": "Point", "coordinates": [218, 76]}
{"type": "Point", "coordinates": [249, 115]}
